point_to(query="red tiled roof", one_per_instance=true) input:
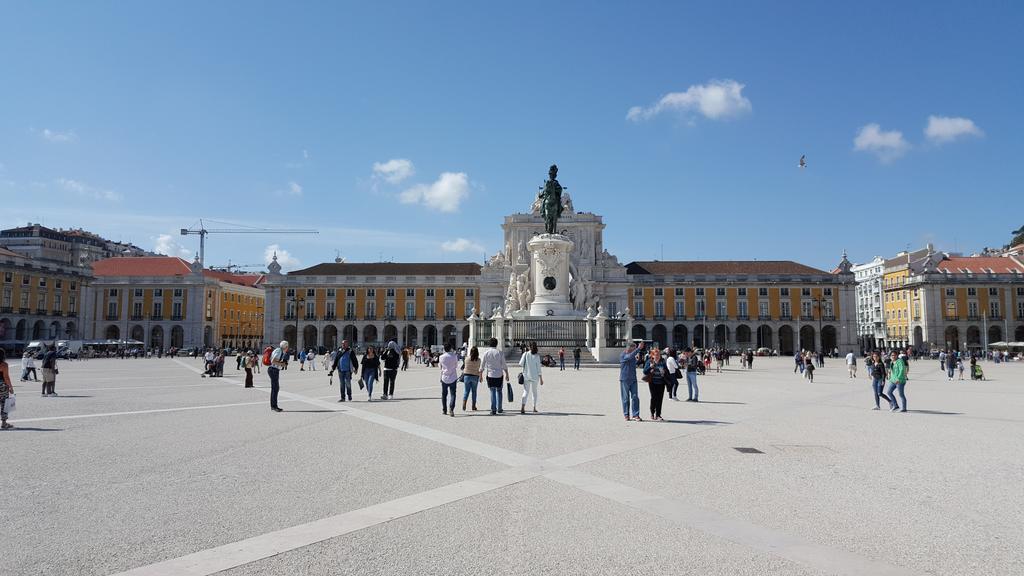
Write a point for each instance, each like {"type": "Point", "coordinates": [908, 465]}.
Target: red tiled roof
{"type": "Point", "coordinates": [721, 267]}
{"type": "Point", "coordinates": [141, 266]}
{"type": "Point", "coordinates": [241, 279]}
{"type": "Point", "coordinates": [979, 264]}
{"type": "Point", "coordinates": [165, 266]}
{"type": "Point", "coordinates": [390, 269]}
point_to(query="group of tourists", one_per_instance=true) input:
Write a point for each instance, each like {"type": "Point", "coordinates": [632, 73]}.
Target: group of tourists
{"type": "Point", "coordinates": [48, 360]}
{"type": "Point", "coordinates": [662, 372]}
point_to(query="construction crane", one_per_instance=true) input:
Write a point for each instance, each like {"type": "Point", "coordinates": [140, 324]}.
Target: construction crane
{"type": "Point", "coordinates": [202, 231]}
{"type": "Point", "coordinates": [229, 266]}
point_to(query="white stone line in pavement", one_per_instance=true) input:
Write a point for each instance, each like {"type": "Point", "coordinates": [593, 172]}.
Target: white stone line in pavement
{"type": "Point", "coordinates": [66, 389]}
{"type": "Point", "coordinates": [732, 529]}
{"type": "Point", "coordinates": [136, 412]}
{"type": "Point", "coordinates": [825, 558]}
{"type": "Point", "coordinates": [250, 550]}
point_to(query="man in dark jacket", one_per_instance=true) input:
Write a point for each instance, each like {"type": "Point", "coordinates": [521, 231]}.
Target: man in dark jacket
{"type": "Point", "coordinates": [345, 363]}
{"type": "Point", "coordinates": [390, 358]}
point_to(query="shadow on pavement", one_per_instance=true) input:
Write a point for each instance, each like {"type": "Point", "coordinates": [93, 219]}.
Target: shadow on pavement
{"type": "Point", "coordinates": [22, 429]}
{"type": "Point", "coordinates": [936, 412]}
{"type": "Point", "coordinates": [713, 402]}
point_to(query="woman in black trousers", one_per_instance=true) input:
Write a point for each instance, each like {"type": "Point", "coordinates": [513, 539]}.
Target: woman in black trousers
{"type": "Point", "coordinates": [656, 375]}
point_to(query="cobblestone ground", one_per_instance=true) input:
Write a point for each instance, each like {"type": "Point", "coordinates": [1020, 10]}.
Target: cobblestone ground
{"type": "Point", "coordinates": [141, 466]}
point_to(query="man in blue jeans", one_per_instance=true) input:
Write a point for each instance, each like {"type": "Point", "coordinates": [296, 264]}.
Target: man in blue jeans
{"type": "Point", "coordinates": [493, 366]}
{"type": "Point", "coordinates": [277, 360]}
{"type": "Point", "coordinates": [627, 383]}
{"type": "Point", "coordinates": [345, 363]}
{"type": "Point", "coordinates": [692, 392]}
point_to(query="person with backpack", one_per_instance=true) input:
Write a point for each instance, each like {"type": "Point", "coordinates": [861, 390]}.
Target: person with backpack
{"type": "Point", "coordinates": [345, 363]}
{"type": "Point", "coordinates": [50, 371]}
{"type": "Point", "coordinates": [390, 359]}
{"type": "Point", "coordinates": [249, 361]}
{"type": "Point", "coordinates": [277, 360]}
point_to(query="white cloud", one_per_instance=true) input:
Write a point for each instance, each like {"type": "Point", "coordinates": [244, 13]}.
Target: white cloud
{"type": "Point", "coordinates": [55, 136]}
{"type": "Point", "coordinates": [83, 189]}
{"type": "Point", "coordinates": [461, 245]}
{"type": "Point", "coordinates": [284, 258]}
{"type": "Point", "coordinates": [716, 99]}
{"type": "Point", "coordinates": [942, 129]}
{"type": "Point", "coordinates": [294, 189]}
{"type": "Point", "coordinates": [444, 195]}
{"type": "Point", "coordinates": [886, 145]}
{"type": "Point", "coordinates": [394, 171]}
{"type": "Point", "coordinates": [168, 245]}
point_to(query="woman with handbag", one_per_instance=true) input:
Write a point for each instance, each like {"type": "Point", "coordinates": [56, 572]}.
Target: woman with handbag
{"type": "Point", "coordinates": [371, 371]}
{"type": "Point", "coordinates": [656, 375]}
{"type": "Point", "coordinates": [531, 376]}
{"type": "Point", "coordinates": [673, 373]}
{"type": "Point", "coordinates": [470, 376]}
{"type": "Point", "coordinates": [6, 390]}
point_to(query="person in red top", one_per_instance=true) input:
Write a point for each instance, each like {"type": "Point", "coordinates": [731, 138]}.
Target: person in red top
{"type": "Point", "coordinates": [561, 359]}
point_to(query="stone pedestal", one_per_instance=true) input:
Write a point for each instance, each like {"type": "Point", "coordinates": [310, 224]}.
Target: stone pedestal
{"type": "Point", "coordinates": [549, 272]}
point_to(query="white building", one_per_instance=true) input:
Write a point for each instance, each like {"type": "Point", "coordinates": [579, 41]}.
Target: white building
{"type": "Point", "coordinates": [870, 316]}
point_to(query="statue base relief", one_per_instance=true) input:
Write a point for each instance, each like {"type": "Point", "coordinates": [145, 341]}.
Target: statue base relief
{"type": "Point", "coordinates": [549, 272]}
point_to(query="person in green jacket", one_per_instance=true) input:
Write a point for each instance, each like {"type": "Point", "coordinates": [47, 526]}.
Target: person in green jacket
{"type": "Point", "coordinates": [897, 382]}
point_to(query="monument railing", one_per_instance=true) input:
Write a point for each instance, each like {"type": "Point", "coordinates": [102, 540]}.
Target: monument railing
{"type": "Point", "coordinates": [547, 333]}
{"type": "Point", "coordinates": [484, 330]}
{"type": "Point", "coordinates": [615, 336]}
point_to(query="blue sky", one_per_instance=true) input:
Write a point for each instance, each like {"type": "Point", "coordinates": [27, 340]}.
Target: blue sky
{"type": "Point", "coordinates": [136, 119]}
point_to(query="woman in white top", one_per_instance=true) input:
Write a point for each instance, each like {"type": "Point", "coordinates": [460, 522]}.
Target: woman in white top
{"type": "Point", "coordinates": [530, 363]}
{"type": "Point", "coordinates": [672, 368]}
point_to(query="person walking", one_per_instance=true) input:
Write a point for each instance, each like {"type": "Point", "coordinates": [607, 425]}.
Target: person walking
{"type": "Point", "coordinates": [311, 359]}
{"type": "Point", "coordinates": [405, 359]}
{"type": "Point", "coordinates": [240, 359]}
{"type": "Point", "coordinates": [692, 366]}
{"type": "Point", "coordinates": [6, 390]}
{"type": "Point", "coordinates": [576, 352]}
{"type": "Point", "coordinates": [561, 359]}
{"type": "Point", "coordinates": [28, 364]}
{"type": "Point", "coordinates": [960, 367]}
{"type": "Point", "coordinates": [950, 366]}
{"type": "Point", "coordinates": [851, 364]}
{"type": "Point", "coordinates": [809, 368]}
{"type": "Point", "coordinates": [470, 376]}
{"type": "Point", "coordinates": [878, 373]}
{"type": "Point", "coordinates": [530, 364]}
{"type": "Point", "coordinates": [628, 384]}
{"type": "Point", "coordinates": [492, 365]}
{"type": "Point", "coordinates": [371, 370]}
{"type": "Point", "coordinates": [449, 364]}
{"type": "Point", "coordinates": [278, 359]}
{"type": "Point", "coordinates": [302, 360]}
{"type": "Point", "coordinates": [672, 374]}
{"type": "Point", "coordinates": [50, 371]}
{"type": "Point", "coordinates": [345, 363]}
{"type": "Point", "coordinates": [655, 375]}
{"type": "Point", "coordinates": [249, 360]}
{"type": "Point", "coordinates": [390, 358]}
{"type": "Point", "coordinates": [897, 382]}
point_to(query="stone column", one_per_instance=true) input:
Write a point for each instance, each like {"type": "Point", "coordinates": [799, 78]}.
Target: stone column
{"type": "Point", "coordinates": [499, 329]}
{"type": "Point", "coordinates": [472, 327]}
{"type": "Point", "coordinates": [550, 275]}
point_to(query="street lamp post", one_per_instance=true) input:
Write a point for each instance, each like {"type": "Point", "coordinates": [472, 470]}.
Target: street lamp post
{"type": "Point", "coordinates": [298, 304]}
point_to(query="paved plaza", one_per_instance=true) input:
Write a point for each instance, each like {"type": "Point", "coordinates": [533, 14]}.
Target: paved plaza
{"type": "Point", "coordinates": [142, 467]}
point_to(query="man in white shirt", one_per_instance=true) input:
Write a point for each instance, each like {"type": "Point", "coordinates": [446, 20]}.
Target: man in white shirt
{"type": "Point", "coordinates": [449, 363]}
{"type": "Point", "coordinates": [851, 364]}
{"type": "Point", "coordinates": [492, 366]}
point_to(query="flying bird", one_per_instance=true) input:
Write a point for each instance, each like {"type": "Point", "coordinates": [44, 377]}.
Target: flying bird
{"type": "Point", "coordinates": [803, 162]}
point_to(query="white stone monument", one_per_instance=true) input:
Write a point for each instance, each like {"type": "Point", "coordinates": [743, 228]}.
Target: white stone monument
{"type": "Point", "coordinates": [549, 270]}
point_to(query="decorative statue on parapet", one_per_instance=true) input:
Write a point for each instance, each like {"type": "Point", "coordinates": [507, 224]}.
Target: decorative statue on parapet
{"type": "Point", "coordinates": [551, 201]}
